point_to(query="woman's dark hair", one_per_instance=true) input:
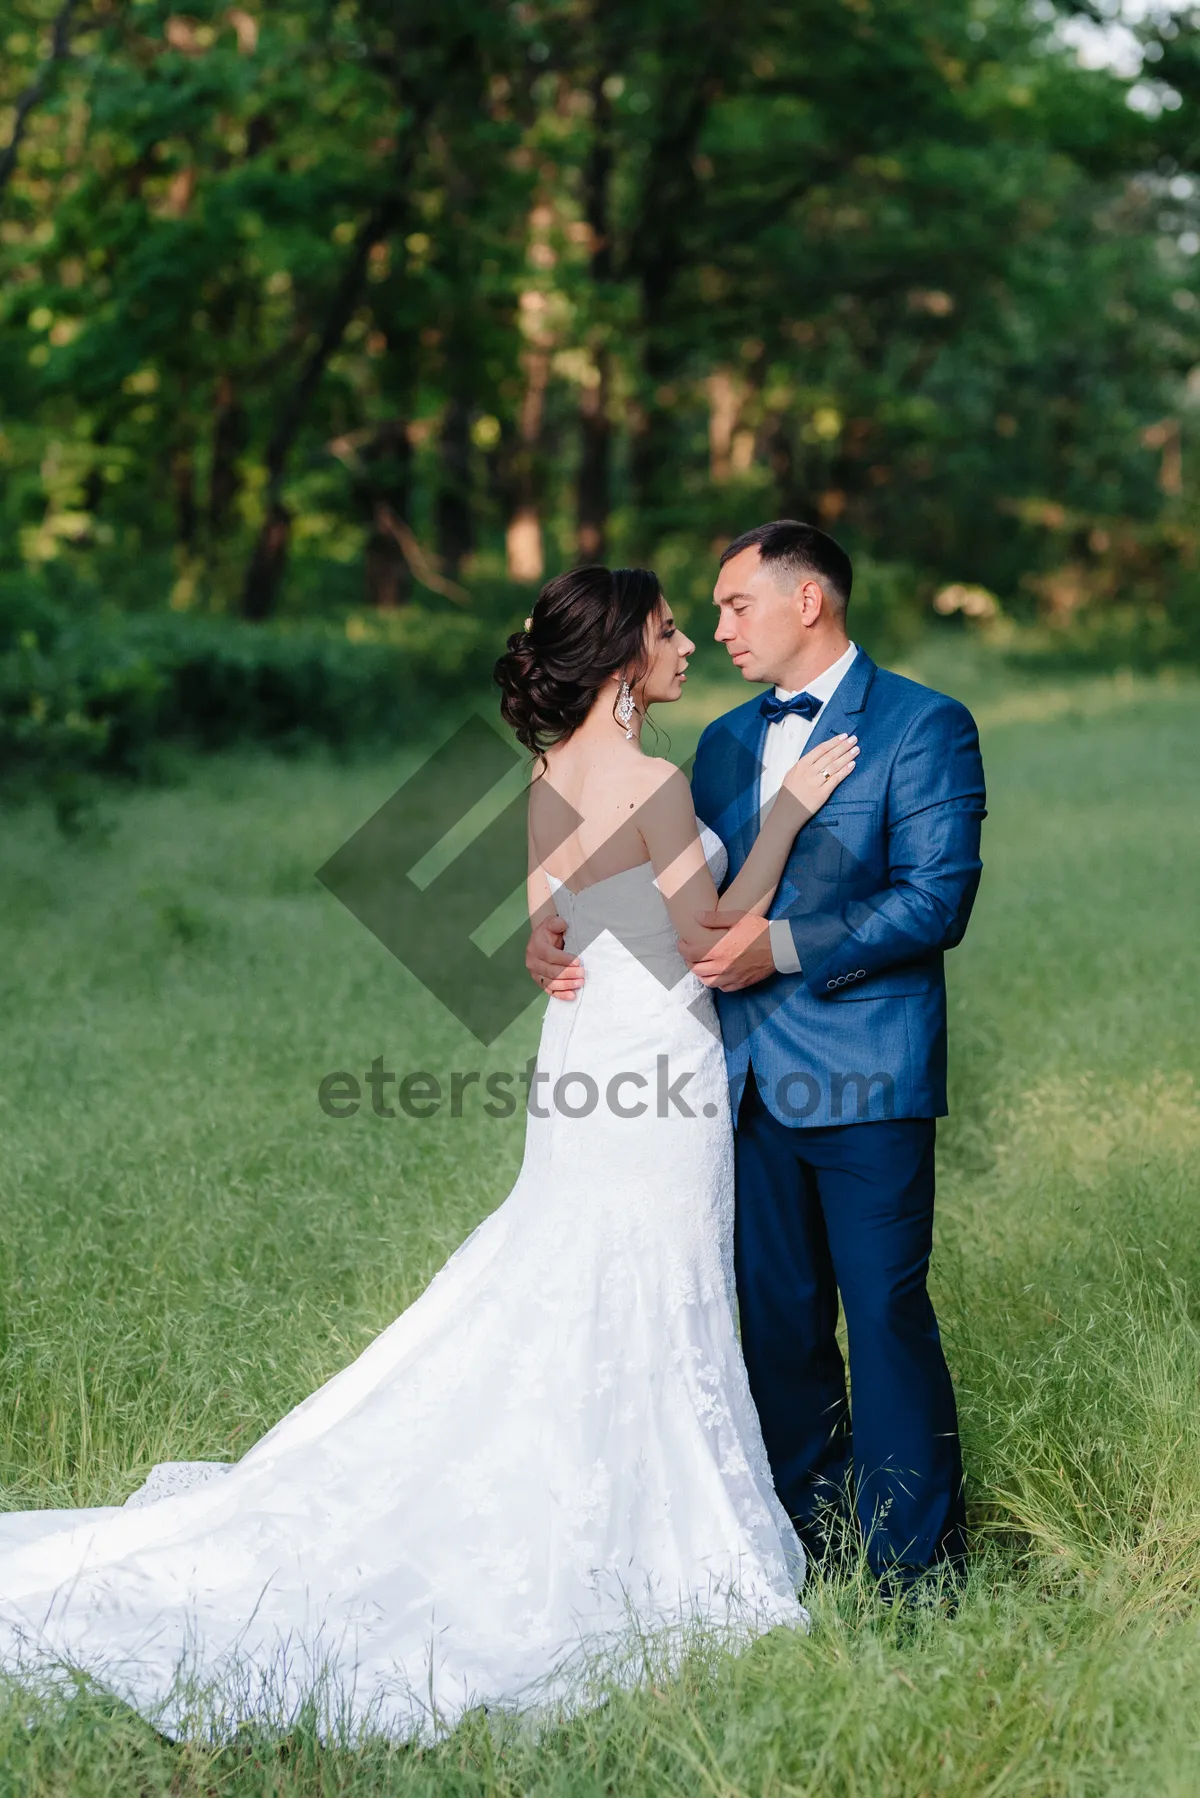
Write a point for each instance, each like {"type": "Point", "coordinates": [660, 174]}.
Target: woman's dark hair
{"type": "Point", "coordinates": [585, 625]}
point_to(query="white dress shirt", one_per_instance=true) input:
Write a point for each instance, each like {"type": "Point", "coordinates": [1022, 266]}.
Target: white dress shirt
{"type": "Point", "coordinates": [783, 746]}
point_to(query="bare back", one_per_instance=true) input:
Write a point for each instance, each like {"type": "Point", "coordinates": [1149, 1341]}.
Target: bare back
{"type": "Point", "coordinates": [584, 812]}
{"type": "Point", "coordinates": [601, 808]}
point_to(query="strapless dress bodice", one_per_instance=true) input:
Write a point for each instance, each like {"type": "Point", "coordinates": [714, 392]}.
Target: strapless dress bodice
{"type": "Point", "coordinates": [630, 908]}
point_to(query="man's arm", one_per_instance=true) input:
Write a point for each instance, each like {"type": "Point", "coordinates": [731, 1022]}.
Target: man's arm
{"type": "Point", "coordinates": [752, 947]}
{"type": "Point", "coordinates": [936, 804]}
{"type": "Point", "coordinates": [556, 972]}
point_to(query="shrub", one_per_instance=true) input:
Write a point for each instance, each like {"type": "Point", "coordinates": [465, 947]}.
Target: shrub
{"type": "Point", "coordinates": [102, 694]}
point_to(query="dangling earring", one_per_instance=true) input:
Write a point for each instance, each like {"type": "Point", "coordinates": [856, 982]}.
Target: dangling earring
{"type": "Point", "coordinates": [625, 709]}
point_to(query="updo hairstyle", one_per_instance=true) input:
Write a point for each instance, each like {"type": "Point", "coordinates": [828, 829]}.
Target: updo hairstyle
{"type": "Point", "coordinates": [585, 626]}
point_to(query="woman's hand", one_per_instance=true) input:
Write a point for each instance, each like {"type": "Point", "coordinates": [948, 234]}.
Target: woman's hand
{"type": "Point", "coordinates": [817, 774]}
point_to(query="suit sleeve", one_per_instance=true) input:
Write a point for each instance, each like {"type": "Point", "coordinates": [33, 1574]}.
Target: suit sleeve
{"type": "Point", "coordinates": [708, 811]}
{"type": "Point", "coordinates": [936, 805]}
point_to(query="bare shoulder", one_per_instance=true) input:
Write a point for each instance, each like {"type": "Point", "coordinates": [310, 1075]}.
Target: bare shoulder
{"type": "Point", "coordinates": [660, 780]}
{"type": "Point", "coordinates": [655, 773]}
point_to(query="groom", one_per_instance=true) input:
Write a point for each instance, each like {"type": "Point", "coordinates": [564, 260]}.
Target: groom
{"type": "Point", "coordinates": [833, 1012]}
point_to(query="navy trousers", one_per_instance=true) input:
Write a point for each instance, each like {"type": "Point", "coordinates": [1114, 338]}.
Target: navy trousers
{"type": "Point", "coordinates": [848, 1208]}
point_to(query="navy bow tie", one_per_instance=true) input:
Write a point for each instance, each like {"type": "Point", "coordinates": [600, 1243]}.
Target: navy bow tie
{"type": "Point", "coordinates": [801, 705]}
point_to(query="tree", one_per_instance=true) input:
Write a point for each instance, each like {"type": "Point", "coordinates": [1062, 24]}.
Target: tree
{"type": "Point", "coordinates": [305, 302]}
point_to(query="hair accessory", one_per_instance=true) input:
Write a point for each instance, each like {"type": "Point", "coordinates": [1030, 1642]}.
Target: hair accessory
{"type": "Point", "coordinates": [528, 625]}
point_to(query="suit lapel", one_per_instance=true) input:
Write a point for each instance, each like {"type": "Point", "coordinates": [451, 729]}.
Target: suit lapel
{"type": "Point", "coordinates": [748, 731]}
{"type": "Point", "coordinates": [841, 712]}
{"type": "Point", "coordinates": [728, 796]}
{"type": "Point", "coordinates": [749, 777]}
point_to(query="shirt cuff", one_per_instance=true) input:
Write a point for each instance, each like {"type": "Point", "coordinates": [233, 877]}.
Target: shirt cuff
{"type": "Point", "coordinates": [783, 948]}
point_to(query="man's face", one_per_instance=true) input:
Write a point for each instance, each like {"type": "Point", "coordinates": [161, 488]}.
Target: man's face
{"type": "Point", "coordinates": [760, 625]}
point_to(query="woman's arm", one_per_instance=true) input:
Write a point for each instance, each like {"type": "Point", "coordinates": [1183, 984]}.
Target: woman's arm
{"type": "Point", "coordinates": [556, 972]}
{"type": "Point", "coordinates": [667, 822]}
{"type": "Point", "coordinates": [539, 895]}
{"type": "Point", "coordinates": [804, 791]}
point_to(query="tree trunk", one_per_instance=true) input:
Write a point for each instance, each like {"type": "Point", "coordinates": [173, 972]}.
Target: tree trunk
{"type": "Point", "coordinates": [386, 571]}
{"type": "Point", "coordinates": [183, 483]}
{"type": "Point", "coordinates": [265, 573]}
{"type": "Point", "coordinates": [594, 500]}
{"type": "Point", "coordinates": [697, 54]}
{"type": "Point", "coordinates": [387, 465]}
{"type": "Point", "coordinates": [651, 452]}
{"type": "Point", "coordinates": [269, 560]}
{"type": "Point", "coordinates": [60, 49]}
{"type": "Point", "coordinates": [595, 464]}
{"type": "Point", "coordinates": [781, 456]}
{"type": "Point", "coordinates": [453, 520]}
{"type": "Point", "coordinates": [724, 405]}
{"type": "Point", "coordinates": [229, 440]}
{"type": "Point", "coordinates": [524, 553]}
{"type": "Point", "coordinates": [93, 490]}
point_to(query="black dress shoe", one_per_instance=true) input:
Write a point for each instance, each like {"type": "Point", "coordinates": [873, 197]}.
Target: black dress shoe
{"type": "Point", "coordinates": [925, 1591]}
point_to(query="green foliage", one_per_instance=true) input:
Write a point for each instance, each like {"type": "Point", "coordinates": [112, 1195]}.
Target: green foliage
{"type": "Point", "coordinates": [304, 304]}
{"type": "Point", "coordinates": [103, 694]}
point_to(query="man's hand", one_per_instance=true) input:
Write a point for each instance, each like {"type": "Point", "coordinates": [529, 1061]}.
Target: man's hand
{"type": "Point", "coordinates": [560, 974]}
{"type": "Point", "coordinates": [742, 958]}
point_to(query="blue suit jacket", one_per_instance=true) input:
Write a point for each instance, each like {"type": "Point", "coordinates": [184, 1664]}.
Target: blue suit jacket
{"type": "Point", "coordinates": [878, 885]}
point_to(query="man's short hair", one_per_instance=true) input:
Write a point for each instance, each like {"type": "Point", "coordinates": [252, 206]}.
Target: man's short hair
{"type": "Point", "coordinates": [792, 550]}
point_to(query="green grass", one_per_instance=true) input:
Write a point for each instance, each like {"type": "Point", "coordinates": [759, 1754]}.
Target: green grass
{"type": "Point", "coordinates": [188, 1246]}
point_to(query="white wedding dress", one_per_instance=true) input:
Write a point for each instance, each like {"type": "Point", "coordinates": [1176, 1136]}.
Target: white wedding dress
{"type": "Point", "coordinates": [553, 1450]}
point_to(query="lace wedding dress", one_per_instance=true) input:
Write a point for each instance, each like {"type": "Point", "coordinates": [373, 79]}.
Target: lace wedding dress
{"type": "Point", "coordinates": [552, 1450]}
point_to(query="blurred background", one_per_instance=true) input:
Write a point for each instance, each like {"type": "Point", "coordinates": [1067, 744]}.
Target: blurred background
{"type": "Point", "coordinates": [352, 322]}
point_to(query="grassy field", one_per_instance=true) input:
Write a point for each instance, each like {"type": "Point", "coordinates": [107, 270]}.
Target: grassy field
{"type": "Point", "coordinates": [188, 1246]}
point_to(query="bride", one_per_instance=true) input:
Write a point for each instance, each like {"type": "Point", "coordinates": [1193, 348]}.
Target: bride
{"type": "Point", "coordinates": [555, 1446]}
